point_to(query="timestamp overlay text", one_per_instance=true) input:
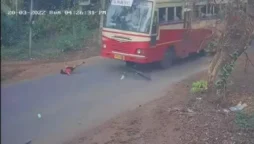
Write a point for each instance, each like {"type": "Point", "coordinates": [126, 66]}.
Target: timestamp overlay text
{"type": "Point", "coordinates": [57, 12]}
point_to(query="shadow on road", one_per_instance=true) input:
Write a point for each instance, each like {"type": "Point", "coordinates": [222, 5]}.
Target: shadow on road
{"type": "Point", "coordinates": [145, 70]}
{"type": "Point", "coordinates": [154, 67]}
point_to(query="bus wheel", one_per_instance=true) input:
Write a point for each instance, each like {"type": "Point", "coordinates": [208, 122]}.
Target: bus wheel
{"type": "Point", "coordinates": [202, 52]}
{"type": "Point", "coordinates": [167, 61]}
{"type": "Point", "coordinates": [129, 64]}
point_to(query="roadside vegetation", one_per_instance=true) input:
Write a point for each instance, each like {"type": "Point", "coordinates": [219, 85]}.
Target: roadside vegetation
{"type": "Point", "coordinates": [245, 120]}
{"type": "Point", "coordinates": [52, 35]}
{"type": "Point", "coordinates": [233, 35]}
{"type": "Point", "coordinates": [199, 86]}
{"type": "Point", "coordinates": [230, 42]}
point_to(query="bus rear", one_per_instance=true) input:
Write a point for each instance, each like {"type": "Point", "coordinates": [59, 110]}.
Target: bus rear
{"type": "Point", "coordinates": [126, 31]}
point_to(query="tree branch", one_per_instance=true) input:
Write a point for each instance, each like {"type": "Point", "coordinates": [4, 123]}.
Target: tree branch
{"type": "Point", "coordinates": [246, 54]}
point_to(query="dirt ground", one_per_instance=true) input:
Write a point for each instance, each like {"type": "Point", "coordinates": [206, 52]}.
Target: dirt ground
{"type": "Point", "coordinates": [14, 71]}
{"type": "Point", "coordinates": [181, 117]}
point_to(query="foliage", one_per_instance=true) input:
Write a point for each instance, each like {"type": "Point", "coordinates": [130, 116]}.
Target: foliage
{"type": "Point", "coordinates": [199, 86]}
{"type": "Point", "coordinates": [13, 30]}
{"type": "Point", "coordinates": [234, 40]}
{"type": "Point", "coordinates": [7, 5]}
{"type": "Point", "coordinates": [226, 71]}
{"type": "Point", "coordinates": [52, 34]}
{"type": "Point", "coordinates": [245, 120]}
{"type": "Point", "coordinates": [50, 47]}
{"type": "Point", "coordinates": [12, 26]}
{"type": "Point", "coordinates": [211, 46]}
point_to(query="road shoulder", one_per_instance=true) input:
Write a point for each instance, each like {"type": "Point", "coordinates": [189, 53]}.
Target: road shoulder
{"type": "Point", "coordinates": [16, 71]}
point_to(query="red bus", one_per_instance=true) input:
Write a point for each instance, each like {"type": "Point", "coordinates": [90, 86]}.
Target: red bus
{"type": "Point", "coordinates": [147, 31]}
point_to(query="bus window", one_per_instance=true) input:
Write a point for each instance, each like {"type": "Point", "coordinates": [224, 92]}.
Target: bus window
{"type": "Point", "coordinates": [171, 13]}
{"type": "Point", "coordinates": [203, 11]}
{"type": "Point", "coordinates": [155, 23]}
{"type": "Point", "coordinates": [209, 10]}
{"type": "Point", "coordinates": [136, 18]}
{"type": "Point", "coordinates": [178, 13]}
{"type": "Point", "coordinates": [162, 15]}
{"type": "Point", "coordinates": [216, 9]}
{"type": "Point", "coordinates": [196, 12]}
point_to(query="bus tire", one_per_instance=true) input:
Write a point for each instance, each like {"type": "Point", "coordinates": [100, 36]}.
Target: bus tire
{"type": "Point", "coordinates": [129, 64]}
{"type": "Point", "coordinates": [168, 59]}
{"type": "Point", "coordinates": [202, 52]}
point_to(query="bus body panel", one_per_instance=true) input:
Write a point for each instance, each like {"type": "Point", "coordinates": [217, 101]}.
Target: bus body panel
{"type": "Point", "coordinates": [125, 48]}
{"type": "Point", "coordinates": [170, 35]}
{"type": "Point", "coordinates": [175, 38]}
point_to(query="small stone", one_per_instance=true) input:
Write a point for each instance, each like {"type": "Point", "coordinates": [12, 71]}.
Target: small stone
{"type": "Point", "coordinates": [39, 116]}
{"type": "Point", "coordinates": [190, 111]}
{"type": "Point", "coordinates": [225, 110]}
{"type": "Point", "coordinates": [122, 77]}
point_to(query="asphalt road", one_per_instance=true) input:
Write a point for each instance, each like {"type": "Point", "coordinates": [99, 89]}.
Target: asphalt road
{"type": "Point", "coordinates": [70, 104]}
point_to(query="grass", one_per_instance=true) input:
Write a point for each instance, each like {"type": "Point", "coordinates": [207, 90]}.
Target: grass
{"type": "Point", "coordinates": [48, 48]}
{"type": "Point", "coordinates": [244, 120]}
{"type": "Point", "coordinates": [199, 86]}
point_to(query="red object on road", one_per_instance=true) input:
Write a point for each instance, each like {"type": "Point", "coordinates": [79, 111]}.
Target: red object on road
{"type": "Point", "coordinates": [68, 69]}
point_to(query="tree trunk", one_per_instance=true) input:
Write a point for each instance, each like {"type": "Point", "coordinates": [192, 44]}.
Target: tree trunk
{"type": "Point", "coordinates": [102, 7]}
{"type": "Point", "coordinates": [234, 41]}
{"type": "Point", "coordinates": [30, 30]}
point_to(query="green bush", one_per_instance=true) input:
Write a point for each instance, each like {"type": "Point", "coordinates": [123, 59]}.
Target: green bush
{"type": "Point", "coordinates": [244, 120]}
{"type": "Point", "coordinates": [52, 35]}
{"type": "Point", "coordinates": [13, 30]}
{"type": "Point", "coordinates": [199, 86]}
{"type": "Point", "coordinates": [50, 47]}
{"type": "Point", "coordinates": [52, 24]}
